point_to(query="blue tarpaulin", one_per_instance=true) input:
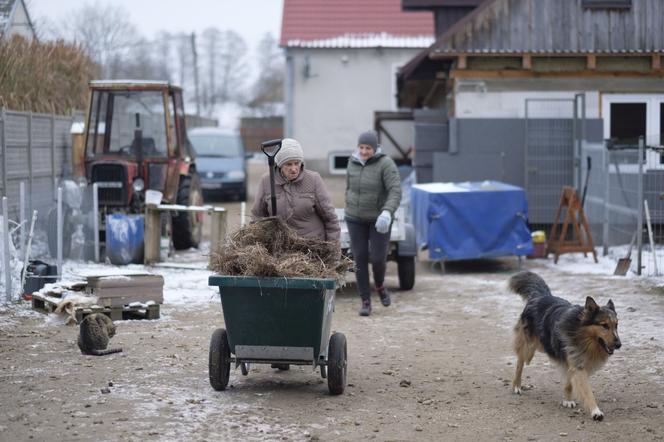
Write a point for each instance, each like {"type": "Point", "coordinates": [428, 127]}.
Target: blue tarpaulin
{"type": "Point", "coordinates": [471, 220]}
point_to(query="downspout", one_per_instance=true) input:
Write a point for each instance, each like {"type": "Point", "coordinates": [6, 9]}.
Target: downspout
{"type": "Point", "coordinates": [290, 80]}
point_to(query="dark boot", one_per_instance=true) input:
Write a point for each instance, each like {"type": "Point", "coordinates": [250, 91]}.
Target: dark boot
{"type": "Point", "coordinates": [365, 310]}
{"type": "Point", "coordinates": [384, 295]}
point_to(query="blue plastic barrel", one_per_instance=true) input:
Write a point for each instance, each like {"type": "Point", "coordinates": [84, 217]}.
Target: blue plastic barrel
{"type": "Point", "coordinates": [124, 238]}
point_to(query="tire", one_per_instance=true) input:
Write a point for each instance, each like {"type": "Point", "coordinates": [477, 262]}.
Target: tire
{"type": "Point", "coordinates": [406, 268]}
{"type": "Point", "coordinates": [187, 228]}
{"type": "Point", "coordinates": [219, 365]}
{"type": "Point", "coordinates": [337, 364]}
{"type": "Point", "coordinates": [52, 233]}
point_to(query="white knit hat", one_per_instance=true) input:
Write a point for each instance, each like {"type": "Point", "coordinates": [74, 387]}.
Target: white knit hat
{"type": "Point", "coordinates": [290, 150]}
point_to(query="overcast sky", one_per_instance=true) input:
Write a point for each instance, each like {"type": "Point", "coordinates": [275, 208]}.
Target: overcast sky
{"type": "Point", "coordinates": [249, 18]}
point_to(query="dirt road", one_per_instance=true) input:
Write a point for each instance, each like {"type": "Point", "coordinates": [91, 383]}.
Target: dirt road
{"type": "Point", "coordinates": [436, 365]}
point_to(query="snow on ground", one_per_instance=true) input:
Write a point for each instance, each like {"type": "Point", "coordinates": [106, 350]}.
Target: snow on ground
{"type": "Point", "coordinates": [186, 284]}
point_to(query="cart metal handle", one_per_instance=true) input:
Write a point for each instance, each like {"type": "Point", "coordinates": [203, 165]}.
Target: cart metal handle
{"type": "Point", "coordinates": [270, 148]}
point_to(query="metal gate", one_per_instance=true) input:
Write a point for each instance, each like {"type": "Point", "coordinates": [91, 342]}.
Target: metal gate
{"type": "Point", "coordinates": [554, 135]}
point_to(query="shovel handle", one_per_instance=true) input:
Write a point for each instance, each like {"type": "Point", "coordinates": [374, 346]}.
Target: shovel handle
{"type": "Point", "coordinates": [270, 148]}
{"type": "Point", "coordinates": [585, 186]}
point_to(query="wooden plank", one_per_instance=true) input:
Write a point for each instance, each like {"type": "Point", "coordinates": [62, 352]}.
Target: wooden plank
{"type": "Point", "coordinates": [116, 313]}
{"type": "Point", "coordinates": [571, 74]}
{"type": "Point", "coordinates": [591, 61]}
{"type": "Point", "coordinates": [526, 61]}
{"type": "Point", "coordinates": [152, 236]}
{"type": "Point", "coordinates": [462, 62]}
{"type": "Point", "coordinates": [218, 232]}
{"type": "Point", "coordinates": [656, 62]}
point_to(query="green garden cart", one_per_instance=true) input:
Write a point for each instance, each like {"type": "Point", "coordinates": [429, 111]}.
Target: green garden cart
{"type": "Point", "coordinates": [278, 321]}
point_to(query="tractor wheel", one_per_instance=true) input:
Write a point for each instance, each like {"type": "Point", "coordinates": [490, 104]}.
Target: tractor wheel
{"type": "Point", "coordinates": [187, 226]}
{"type": "Point", "coordinates": [406, 269]}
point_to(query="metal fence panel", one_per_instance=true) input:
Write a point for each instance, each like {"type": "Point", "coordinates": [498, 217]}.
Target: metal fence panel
{"type": "Point", "coordinates": [36, 150]}
{"type": "Point", "coordinates": [549, 155]}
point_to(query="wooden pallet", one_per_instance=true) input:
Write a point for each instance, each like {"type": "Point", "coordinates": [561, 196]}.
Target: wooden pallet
{"type": "Point", "coordinates": [48, 304]}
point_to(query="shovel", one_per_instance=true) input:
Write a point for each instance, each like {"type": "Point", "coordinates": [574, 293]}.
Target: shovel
{"type": "Point", "coordinates": [625, 263]}
{"type": "Point", "coordinates": [585, 186]}
{"type": "Point", "coordinates": [270, 149]}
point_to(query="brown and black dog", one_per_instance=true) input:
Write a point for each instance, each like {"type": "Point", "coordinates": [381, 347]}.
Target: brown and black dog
{"type": "Point", "coordinates": [579, 339]}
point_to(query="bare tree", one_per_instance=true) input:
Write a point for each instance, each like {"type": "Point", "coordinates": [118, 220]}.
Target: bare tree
{"type": "Point", "coordinates": [164, 43]}
{"type": "Point", "coordinates": [104, 31]}
{"type": "Point", "coordinates": [267, 93]}
{"type": "Point", "coordinates": [211, 48]}
{"type": "Point", "coordinates": [225, 65]}
{"type": "Point", "coordinates": [184, 56]}
{"type": "Point", "coordinates": [139, 62]}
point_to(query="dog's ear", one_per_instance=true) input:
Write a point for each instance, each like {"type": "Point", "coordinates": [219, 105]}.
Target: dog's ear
{"type": "Point", "coordinates": [611, 306]}
{"type": "Point", "coordinates": [591, 305]}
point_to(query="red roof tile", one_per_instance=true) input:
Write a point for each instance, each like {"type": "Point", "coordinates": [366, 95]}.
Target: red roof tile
{"type": "Point", "coordinates": [308, 20]}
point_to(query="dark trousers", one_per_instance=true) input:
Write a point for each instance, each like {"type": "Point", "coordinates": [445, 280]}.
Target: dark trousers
{"type": "Point", "coordinates": [367, 244]}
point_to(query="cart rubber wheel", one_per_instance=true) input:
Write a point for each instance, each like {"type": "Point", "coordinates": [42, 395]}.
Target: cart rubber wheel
{"type": "Point", "coordinates": [406, 269]}
{"type": "Point", "coordinates": [244, 368]}
{"type": "Point", "coordinates": [220, 364]}
{"type": "Point", "coordinates": [337, 364]}
{"type": "Point", "coordinates": [323, 371]}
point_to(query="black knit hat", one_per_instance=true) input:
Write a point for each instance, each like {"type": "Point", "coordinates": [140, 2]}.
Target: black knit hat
{"type": "Point", "coordinates": [370, 138]}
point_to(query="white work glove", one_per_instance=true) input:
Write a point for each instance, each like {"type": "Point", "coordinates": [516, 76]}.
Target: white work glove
{"type": "Point", "coordinates": [383, 221]}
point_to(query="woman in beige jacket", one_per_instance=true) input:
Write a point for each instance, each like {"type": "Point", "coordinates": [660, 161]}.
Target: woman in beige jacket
{"type": "Point", "coordinates": [302, 198]}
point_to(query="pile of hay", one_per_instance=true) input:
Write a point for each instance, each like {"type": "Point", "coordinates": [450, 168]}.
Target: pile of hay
{"type": "Point", "coordinates": [269, 247]}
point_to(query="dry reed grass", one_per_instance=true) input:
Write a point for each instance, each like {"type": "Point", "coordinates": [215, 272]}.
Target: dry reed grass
{"type": "Point", "coordinates": [269, 247]}
{"type": "Point", "coordinates": [47, 77]}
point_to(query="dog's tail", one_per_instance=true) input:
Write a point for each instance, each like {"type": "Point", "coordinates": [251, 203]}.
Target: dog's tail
{"type": "Point", "coordinates": [529, 285]}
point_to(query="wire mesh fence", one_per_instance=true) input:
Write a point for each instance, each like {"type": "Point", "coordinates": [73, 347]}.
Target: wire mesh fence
{"type": "Point", "coordinates": [64, 226]}
{"type": "Point", "coordinates": [625, 201]}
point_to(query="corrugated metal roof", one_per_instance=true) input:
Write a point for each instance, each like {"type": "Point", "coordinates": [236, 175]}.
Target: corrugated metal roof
{"type": "Point", "coordinates": [352, 23]}
{"type": "Point", "coordinates": [534, 26]}
{"type": "Point", "coordinates": [542, 52]}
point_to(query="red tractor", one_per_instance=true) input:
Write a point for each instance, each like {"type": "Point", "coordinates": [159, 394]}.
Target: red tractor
{"type": "Point", "coordinates": [135, 140]}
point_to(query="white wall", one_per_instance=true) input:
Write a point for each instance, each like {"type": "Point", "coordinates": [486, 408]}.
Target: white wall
{"type": "Point", "coordinates": [336, 102]}
{"type": "Point", "coordinates": [21, 25]}
{"type": "Point", "coordinates": [506, 98]}
{"type": "Point", "coordinates": [512, 104]}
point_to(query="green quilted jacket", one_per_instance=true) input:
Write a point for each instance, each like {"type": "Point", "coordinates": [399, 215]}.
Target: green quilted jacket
{"type": "Point", "coordinates": [372, 187]}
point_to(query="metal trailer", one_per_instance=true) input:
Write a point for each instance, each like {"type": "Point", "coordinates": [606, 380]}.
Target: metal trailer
{"type": "Point", "coordinates": [279, 321]}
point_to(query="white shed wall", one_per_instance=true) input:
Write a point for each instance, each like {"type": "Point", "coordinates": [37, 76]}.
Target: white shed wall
{"type": "Point", "coordinates": [336, 101]}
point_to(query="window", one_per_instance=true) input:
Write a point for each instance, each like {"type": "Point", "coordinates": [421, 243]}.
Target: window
{"type": "Point", "coordinates": [118, 117]}
{"type": "Point", "coordinates": [628, 122]}
{"type": "Point", "coordinates": [606, 4]}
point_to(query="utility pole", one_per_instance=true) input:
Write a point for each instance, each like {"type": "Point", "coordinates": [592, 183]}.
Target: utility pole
{"type": "Point", "coordinates": [193, 51]}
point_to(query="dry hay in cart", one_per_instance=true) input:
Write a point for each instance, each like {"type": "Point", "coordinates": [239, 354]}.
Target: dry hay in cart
{"type": "Point", "coordinates": [269, 247]}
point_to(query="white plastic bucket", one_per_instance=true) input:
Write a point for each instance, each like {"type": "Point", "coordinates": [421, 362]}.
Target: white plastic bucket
{"type": "Point", "coordinates": [153, 197]}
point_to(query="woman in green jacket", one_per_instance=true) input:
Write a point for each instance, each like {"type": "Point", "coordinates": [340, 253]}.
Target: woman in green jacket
{"type": "Point", "coordinates": [373, 194]}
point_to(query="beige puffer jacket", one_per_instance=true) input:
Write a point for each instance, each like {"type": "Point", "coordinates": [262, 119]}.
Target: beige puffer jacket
{"type": "Point", "coordinates": [304, 204]}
